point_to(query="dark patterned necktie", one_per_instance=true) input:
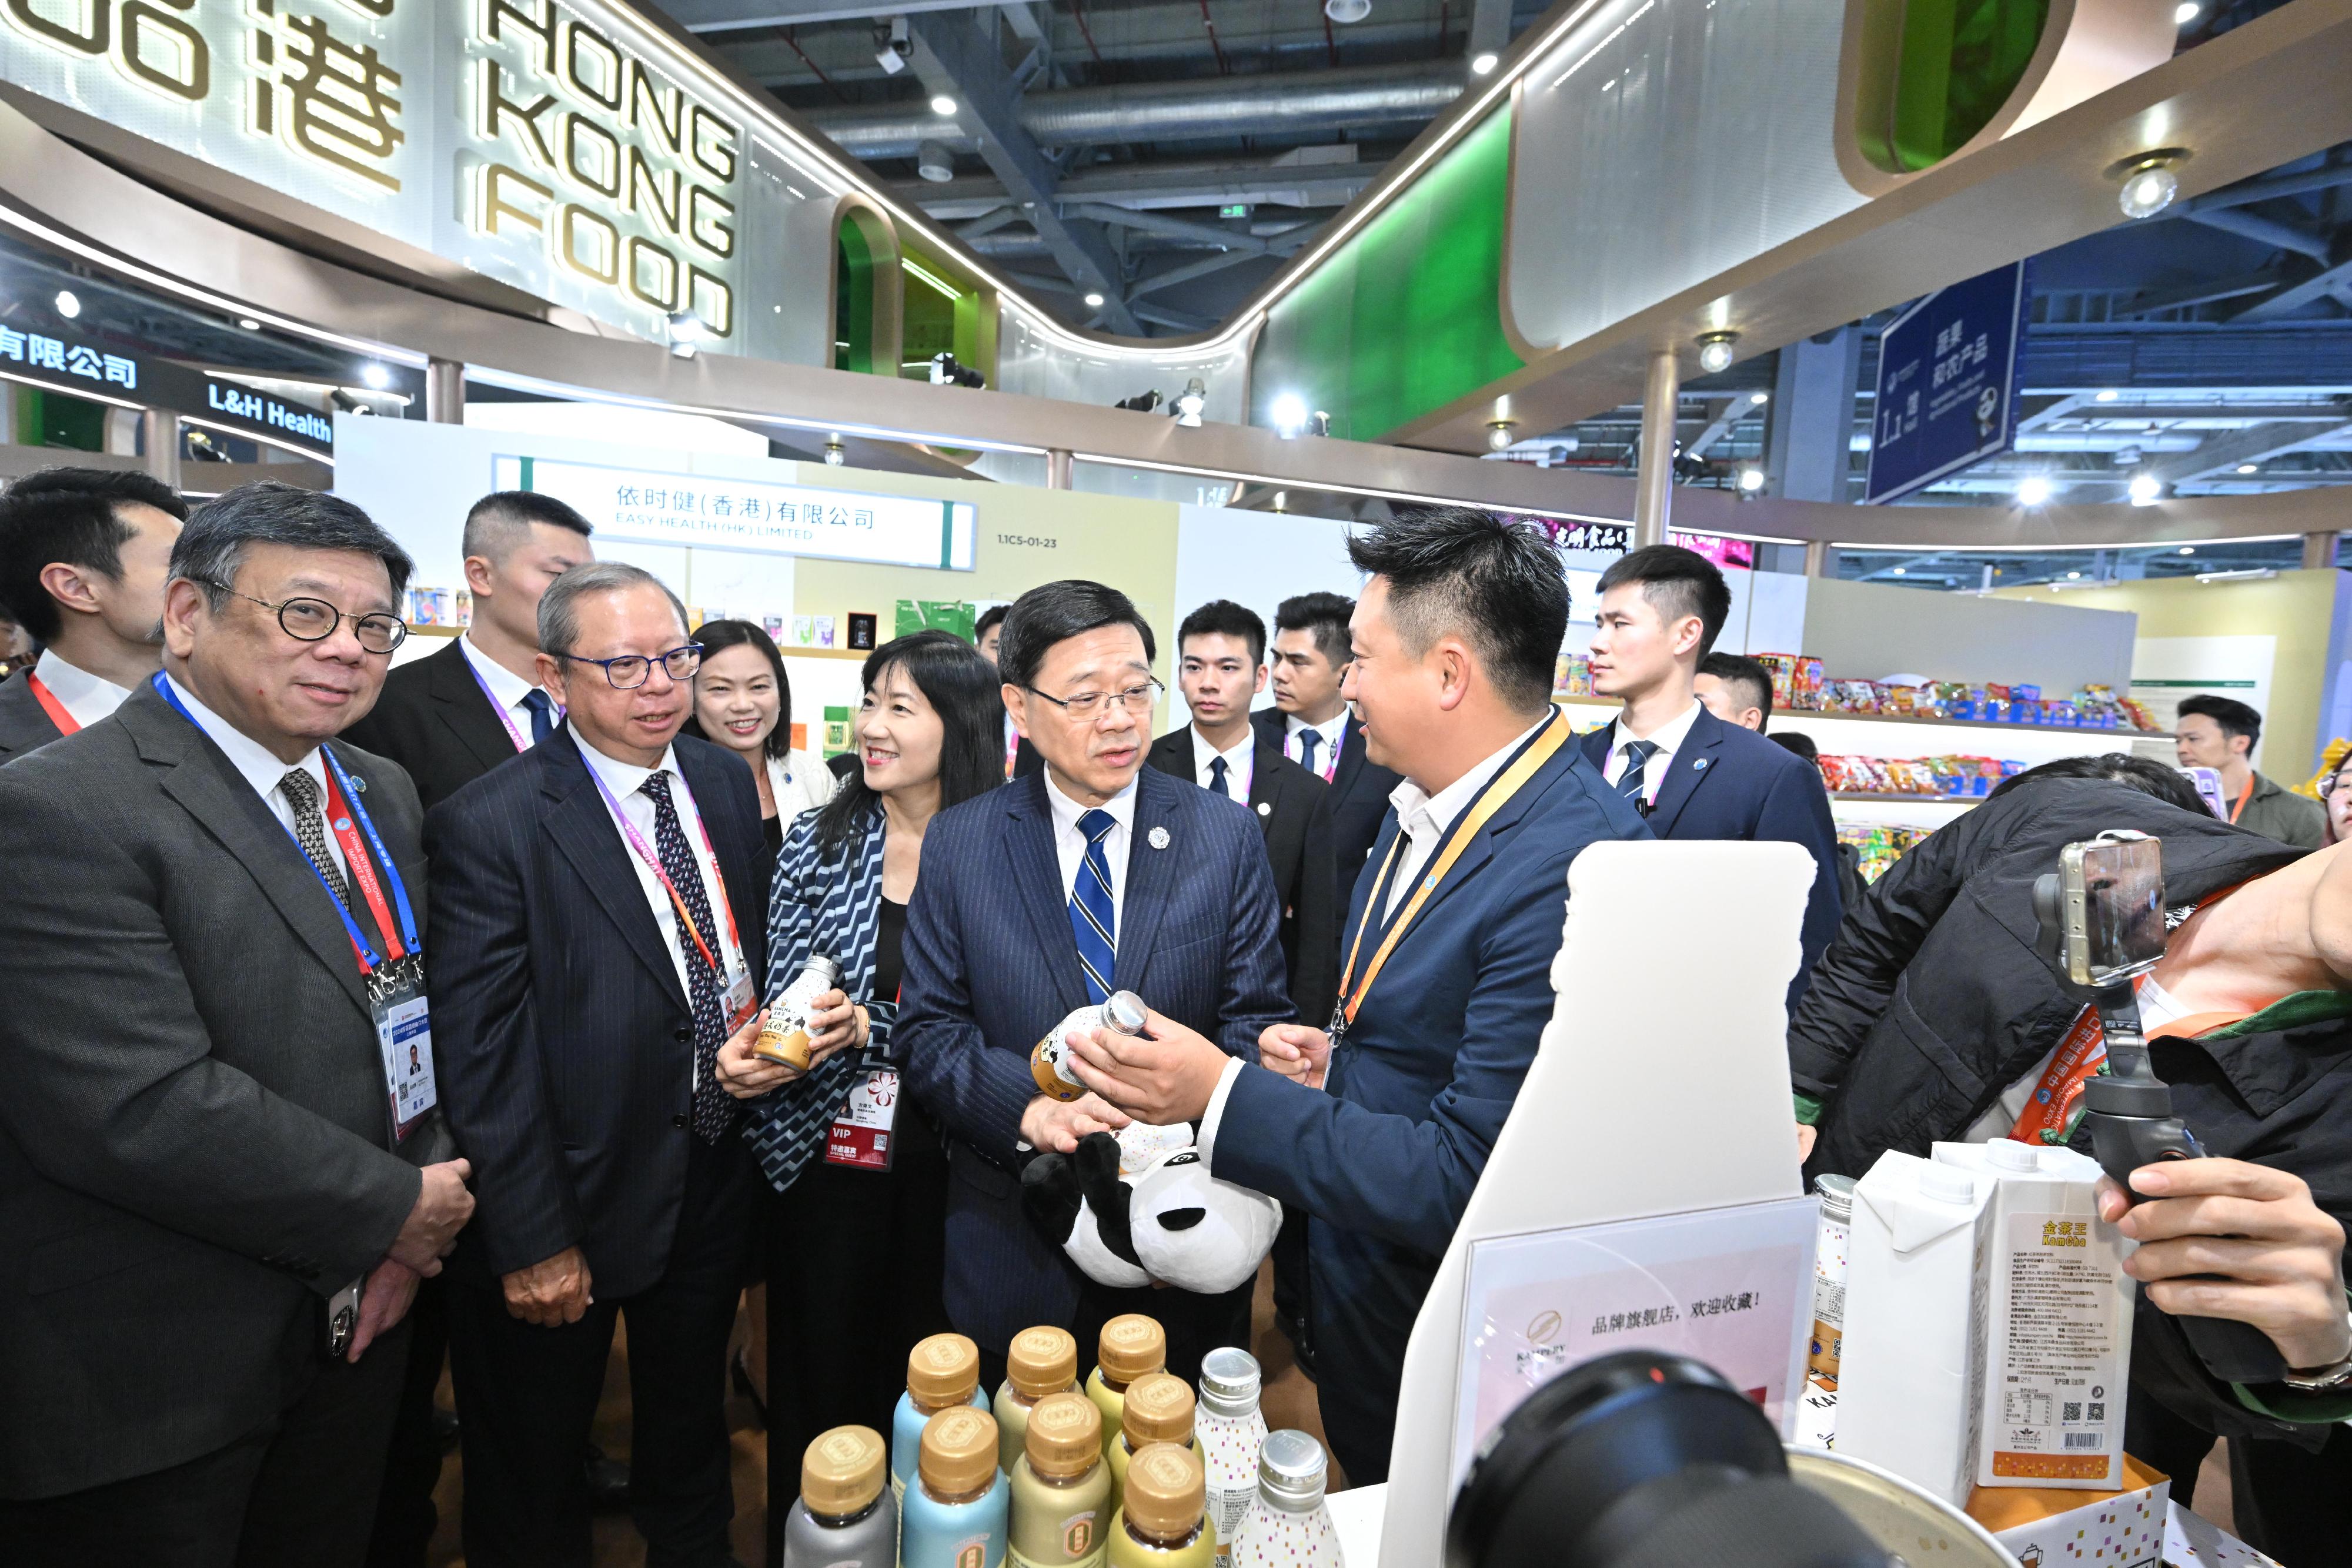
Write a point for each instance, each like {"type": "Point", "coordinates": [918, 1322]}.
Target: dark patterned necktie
{"type": "Point", "coordinates": [1631, 782]}
{"type": "Point", "coordinates": [714, 1108]}
{"type": "Point", "coordinates": [301, 792]}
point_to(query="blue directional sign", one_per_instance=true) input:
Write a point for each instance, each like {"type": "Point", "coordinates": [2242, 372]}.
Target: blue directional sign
{"type": "Point", "coordinates": [1947, 383]}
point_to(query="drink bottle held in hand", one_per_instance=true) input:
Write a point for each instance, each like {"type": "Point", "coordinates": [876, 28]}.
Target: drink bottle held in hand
{"type": "Point", "coordinates": [1049, 1061]}
{"type": "Point", "coordinates": [785, 1036]}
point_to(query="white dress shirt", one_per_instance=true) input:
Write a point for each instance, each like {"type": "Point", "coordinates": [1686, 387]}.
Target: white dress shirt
{"type": "Point", "coordinates": [1424, 821]}
{"type": "Point", "coordinates": [1240, 767]}
{"type": "Point", "coordinates": [509, 690]}
{"type": "Point", "coordinates": [1668, 737]}
{"type": "Point", "coordinates": [86, 697]}
{"type": "Point", "coordinates": [626, 782]}
{"type": "Point", "coordinates": [260, 767]}
{"type": "Point", "coordinates": [800, 783]}
{"type": "Point", "coordinates": [1333, 730]}
{"type": "Point", "coordinates": [1070, 843]}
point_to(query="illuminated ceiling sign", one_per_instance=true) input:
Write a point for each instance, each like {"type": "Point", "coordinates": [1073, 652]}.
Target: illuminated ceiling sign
{"type": "Point", "coordinates": [657, 506]}
{"type": "Point", "coordinates": [59, 362]}
{"type": "Point", "coordinates": [540, 142]}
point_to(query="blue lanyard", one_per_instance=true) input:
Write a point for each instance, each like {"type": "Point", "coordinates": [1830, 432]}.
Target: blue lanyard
{"type": "Point", "coordinates": [370, 960]}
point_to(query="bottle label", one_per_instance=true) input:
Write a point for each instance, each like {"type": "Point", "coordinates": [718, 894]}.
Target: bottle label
{"type": "Point", "coordinates": [1081, 1541]}
{"type": "Point", "coordinates": [1227, 1509]}
{"type": "Point", "coordinates": [971, 1553]}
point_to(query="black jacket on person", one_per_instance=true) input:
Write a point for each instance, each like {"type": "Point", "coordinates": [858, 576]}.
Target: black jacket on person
{"type": "Point", "coordinates": [1933, 1000]}
{"type": "Point", "coordinates": [1360, 802]}
{"type": "Point", "coordinates": [435, 720]}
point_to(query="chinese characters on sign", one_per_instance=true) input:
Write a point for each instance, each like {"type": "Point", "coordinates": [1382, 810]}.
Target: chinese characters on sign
{"type": "Point", "coordinates": [1946, 383]}
{"type": "Point", "coordinates": [34, 351]}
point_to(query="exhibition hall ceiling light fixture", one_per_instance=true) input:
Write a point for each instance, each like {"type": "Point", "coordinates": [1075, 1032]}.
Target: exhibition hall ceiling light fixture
{"type": "Point", "coordinates": [1715, 351]}
{"type": "Point", "coordinates": [2151, 181]}
{"type": "Point", "coordinates": [1500, 434]}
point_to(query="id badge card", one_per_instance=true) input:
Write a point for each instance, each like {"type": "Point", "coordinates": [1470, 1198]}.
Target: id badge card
{"type": "Point", "coordinates": [740, 1001]}
{"type": "Point", "coordinates": [404, 1031]}
{"type": "Point", "coordinates": [861, 1134]}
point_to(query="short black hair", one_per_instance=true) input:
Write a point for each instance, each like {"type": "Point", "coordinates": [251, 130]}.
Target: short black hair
{"type": "Point", "coordinates": [68, 515]}
{"type": "Point", "coordinates": [718, 635]}
{"type": "Point", "coordinates": [2234, 716]}
{"type": "Point", "coordinates": [1753, 680]}
{"type": "Point", "coordinates": [1056, 611]}
{"type": "Point", "coordinates": [963, 689]}
{"type": "Point", "coordinates": [1324, 614]}
{"type": "Point", "coordinates": [499, 518]}
{"type": "Point", "coordinates": [1224, 618]}
{"type": "Point", "coordinates": [1676, 582]}
{"type": "Point", "coordinates": [270, 512]}
{"type": "Point", "coordinates": [991, 616]}
{"type": "Point", "coordinates": [1495, 583]}
{"type": "Point", "coordinates": [2166, 784]}
{"type": "Point", "coordinates": [1799, 742]}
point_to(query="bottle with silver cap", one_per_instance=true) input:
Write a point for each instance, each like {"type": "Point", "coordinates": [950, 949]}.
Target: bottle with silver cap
{"type": "Point", "coordinates": [1049, 1060]}
{"type": "Point", "coordinates": [785, 1036]}
{"type": "Point", "coordinates": [1287, 1525]}
{"type": "Point", "coordinates": [1230, 1429]}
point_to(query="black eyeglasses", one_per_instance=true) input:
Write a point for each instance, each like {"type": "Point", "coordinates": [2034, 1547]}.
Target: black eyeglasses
{"type": "Point", "coordinates": [315, 619]}
{"type": "Point", "coordinates": [629, 671]}
{"type": "Point", "coordinates": [1087, 706]}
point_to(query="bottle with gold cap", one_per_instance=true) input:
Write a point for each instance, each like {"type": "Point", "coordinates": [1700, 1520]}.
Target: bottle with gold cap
{"type": "Point", "coordinates": [1230, 1428]}
{"type": "Point", "coordinates": [1131, 1346]}
{"type": "Point", "coordinates": [1158, 1409]}
{"type": "Point", "coordinates": [844, 1519]}
{"type": "Point", "coordinates": [1163, 1522]}
{"type": "Point", "coordinates": [955, 1512]}
{"type": "Point", "coordinates": [1061, 1488]}
{"type": "Point", "coordinates": [1041, 1361]}
{"type": "Point", "coordinates": [942, 1372]}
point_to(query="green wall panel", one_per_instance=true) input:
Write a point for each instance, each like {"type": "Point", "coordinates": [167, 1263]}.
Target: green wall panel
{"type": "Point", "coordinates": [1407, 316]}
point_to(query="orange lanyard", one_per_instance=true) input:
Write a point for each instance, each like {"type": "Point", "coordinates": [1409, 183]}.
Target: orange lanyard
{"type": "Point", "coordinates": [1482, 811]}
{"type": "Point", "coordinates": [67, 724]}
{"type": "Point", "coordinates": [2244, 795]}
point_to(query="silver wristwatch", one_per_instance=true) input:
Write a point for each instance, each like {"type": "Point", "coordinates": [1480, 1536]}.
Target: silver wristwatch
{"type": "Point", "coordinates": [2320, 1379]}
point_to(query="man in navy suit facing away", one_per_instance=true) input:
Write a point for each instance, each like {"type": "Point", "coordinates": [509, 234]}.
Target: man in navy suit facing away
{"type": "Point", "coordinates": [1445, 978]}
{"type": "Point", "coordinates": [1692, 774]}
{"type": "Point", "coordinates": [1090, 875]}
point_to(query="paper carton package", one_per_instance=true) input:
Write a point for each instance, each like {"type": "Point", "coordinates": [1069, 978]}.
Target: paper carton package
{"type": "Point", "coordinates": [2044, 1527]}
{"type": "Point", "coordinates": [2058, 1334]}
{"type": "Point", "coordinates": [1911, 1382]}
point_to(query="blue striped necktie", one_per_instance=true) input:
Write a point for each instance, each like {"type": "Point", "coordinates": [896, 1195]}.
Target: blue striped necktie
{"type": "Point", "coordinates": [1092, 920]}
{"type": "Point", "coordinates": [1631, 782]}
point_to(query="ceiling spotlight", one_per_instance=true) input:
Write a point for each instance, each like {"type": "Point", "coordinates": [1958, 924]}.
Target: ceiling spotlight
{"type": "Point", "coordinates": [2074, 576]}
{"type": "Point", "coordinates": [375, 377]}
{"type": "Point", "coordinates": [2248, 467]}
{"type": "Point", "coordinates": [2033, 490]}
{"type": "Point", "coordinates": [248, 323]}
{"type": "Point", "coordinates": [2150, 183]}
{"type": "Point", "coordinates": [69, 304]}
{"type": "Point", "coordinates": [892, 45]}
{"type": "Point", "coordinates": [1191, 402]}
{"type": "Point", "coordinates": [934, 163]}
{"type": "Point", "coordinates": [2109, 395]}
{"type": "Point", "coordinates": [687, 332]}
{"type": "Point", "coordinates": [1289, 414]}
{"type": "Point", "coordinates": [943, 106]}
{"type": "Point", "coordinates": [1282, 500]}
{"type": "Point", "coordinates": [1901, 570]}
{"type": "Point", "coordinates": [1094, 301]}
{"type": "Point", "coordinates": [1759, 398]}
{"type": "Point", "coordinates": [2188, 549]}
{"type": "Point", "coordinates": [2188, 11]}
{"type": "Point", "coordinates": [1346, 11]}
{"type": "Point", "coordinates": [1484, 65]}
{"type": "Point", "coordinates": [835, 454]}
{"type": "Point", "coordinates": [1715, 351]}
{"type": "Point", "coordinates": [1498, 435]}
{"type": "Point", "coordinates": [1751, 480]}
{"type": "Point", "coordinates": [2146, 490]}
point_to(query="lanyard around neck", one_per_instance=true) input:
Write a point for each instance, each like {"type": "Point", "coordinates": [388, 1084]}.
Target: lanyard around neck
{"type": "Point", "coordinates": [652, 860]}
{"type": "Point", "coordinates": [66, 722]}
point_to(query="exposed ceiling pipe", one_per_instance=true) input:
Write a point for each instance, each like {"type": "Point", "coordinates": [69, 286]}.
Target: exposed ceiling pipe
{"type": "Point", "coordinates": [1289, 103]}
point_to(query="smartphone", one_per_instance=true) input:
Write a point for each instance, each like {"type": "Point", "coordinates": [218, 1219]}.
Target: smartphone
{"type": "Point", "coordinates": [2208, 781]}
{"type": "Point", "coordinates": [2111, 908]}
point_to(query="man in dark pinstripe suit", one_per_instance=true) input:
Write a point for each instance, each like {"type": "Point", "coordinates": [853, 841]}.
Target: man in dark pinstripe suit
{"type": "Point", "coordinates": [605, 897]}
{"type": "Point", "coordinates": [1094, 873]}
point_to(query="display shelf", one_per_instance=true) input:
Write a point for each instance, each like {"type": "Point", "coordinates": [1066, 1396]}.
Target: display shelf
{"type": "Point", "coordinates": [1907, 798]}
{"type": "Point", "coordinates": [1796, 716]}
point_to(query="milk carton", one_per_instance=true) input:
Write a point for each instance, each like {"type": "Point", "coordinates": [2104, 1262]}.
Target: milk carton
{"type": "Point", "coordinates": [1911, 1382]}
{"type": "Point", "coordinates": [2058, 1337]}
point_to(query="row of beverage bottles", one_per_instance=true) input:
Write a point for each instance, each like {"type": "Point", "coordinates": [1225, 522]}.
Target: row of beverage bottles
{"type": "Point", "coordinates": [1127, 1469]}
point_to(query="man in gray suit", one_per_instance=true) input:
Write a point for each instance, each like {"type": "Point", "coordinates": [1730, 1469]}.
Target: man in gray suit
{"type": "Point", "coordinates": [209, 1139]}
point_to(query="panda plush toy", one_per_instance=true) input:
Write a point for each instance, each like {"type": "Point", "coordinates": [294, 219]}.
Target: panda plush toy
{"type": "Point", "coordinates": [1139, 1205]}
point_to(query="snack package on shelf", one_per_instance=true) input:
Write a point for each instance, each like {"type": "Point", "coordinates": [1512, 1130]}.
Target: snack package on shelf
{"type": "Point", "coordinates": [1808, 684]}
{"type": "Point", "coordinates": [1573, 677]}
{"type": "Point", "coordinates": [1782, 668]}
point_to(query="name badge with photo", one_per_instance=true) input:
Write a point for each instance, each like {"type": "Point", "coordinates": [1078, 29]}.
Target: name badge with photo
{"type": "Point", "coordinates": [860, 1137]}
{"type": "Point", "coordinates": [404, 1031]}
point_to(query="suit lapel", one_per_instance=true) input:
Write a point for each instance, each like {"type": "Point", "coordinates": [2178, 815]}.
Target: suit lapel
{"type": "Point", "coordinates": [1036, 875]}
{"type": "Point", "coordinates": [1150, 876]}
{"type": "Point", "coordinates": [200, 779]}
{"type": "Point", "coordinates": [582, 828]}
{"type": "Point", "coordinates": [1172, 753]}
{"type": "Point", "coordinates": [1687, 771]}
{"type": "Point", "coordinates": [1266, 782]}
{"type": "Point", "coordinates": [1351, 756]}
{"type": "Point", "coordinates": [1481, 847]}
{"type": "Point", "coordinates": [1596, 745]}
{"type": "Point", "coordinates": [465, 709]}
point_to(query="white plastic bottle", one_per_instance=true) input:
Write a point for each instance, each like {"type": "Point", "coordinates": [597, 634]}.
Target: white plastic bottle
{"type": "Point", "coordinates": [1287, 1525]}
{"type": "Point", "coordinates": [1230, 1429]}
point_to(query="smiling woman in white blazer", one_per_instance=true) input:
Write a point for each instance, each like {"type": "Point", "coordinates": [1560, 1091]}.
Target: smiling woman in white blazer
{"type": "Point", "coordinates": [743, 702]}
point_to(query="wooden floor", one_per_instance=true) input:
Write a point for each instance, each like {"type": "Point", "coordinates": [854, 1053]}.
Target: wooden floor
{"type": "Point", "coordinates": [1288, 1400]}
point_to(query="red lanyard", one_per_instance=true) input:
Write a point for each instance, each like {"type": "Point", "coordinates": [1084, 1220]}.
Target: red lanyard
{"type": "Point", "coordinates": [67, 724]}
{"type": "Point", "coordinates": [653, 862]}
{"type": "Point", "coordinates": [362, 875]}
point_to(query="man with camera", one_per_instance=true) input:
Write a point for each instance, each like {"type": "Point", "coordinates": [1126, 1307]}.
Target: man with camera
{"type": "Point", "coordinates": [1933, 1017]}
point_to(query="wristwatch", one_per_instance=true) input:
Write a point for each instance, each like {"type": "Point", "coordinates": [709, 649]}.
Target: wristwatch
{"type": "Point", "coordinates": [2321, 1379]}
